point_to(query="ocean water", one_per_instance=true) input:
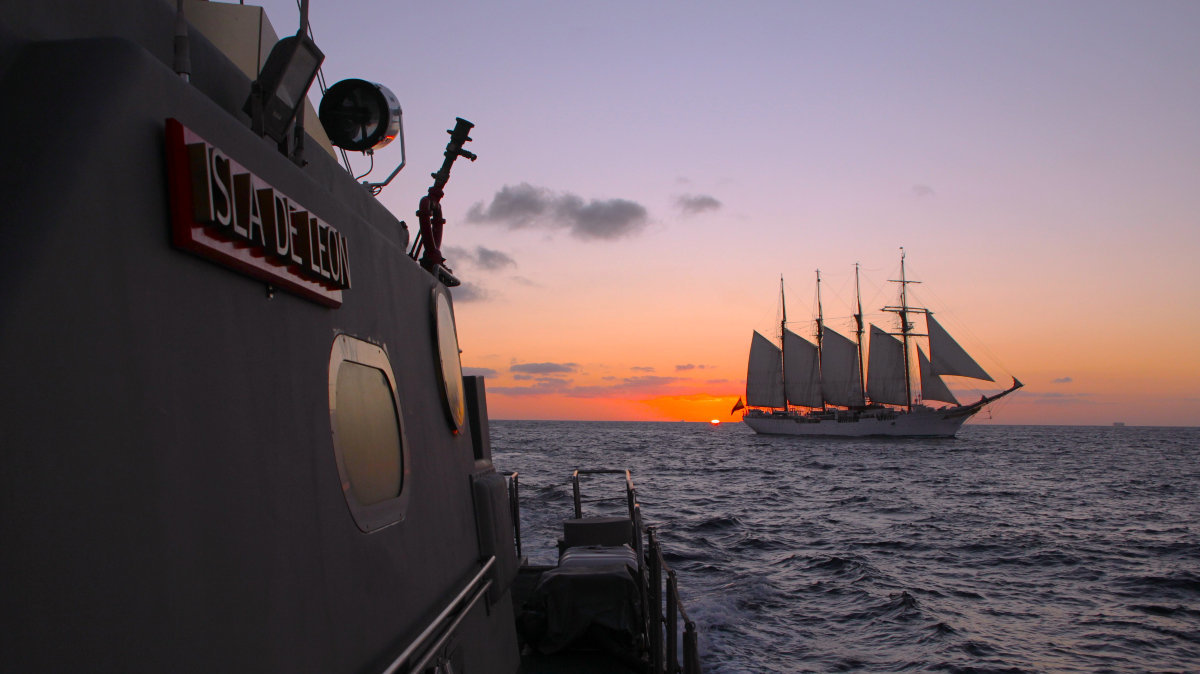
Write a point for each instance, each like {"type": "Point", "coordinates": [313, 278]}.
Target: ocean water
{"type": "Point", "coordinates": [1007, 549]}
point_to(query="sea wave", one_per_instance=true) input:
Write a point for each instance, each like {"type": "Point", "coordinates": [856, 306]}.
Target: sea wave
{"type": "Point", "coordinates": [1009, 549]}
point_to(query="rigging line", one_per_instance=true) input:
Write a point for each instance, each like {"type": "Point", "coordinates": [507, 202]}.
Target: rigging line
{"type": "Point", "coordinates": [839, 295]}
{"type": "Point", "coordinates": [960, 329]}
{"type": "Point", "coordinates": [877, 291]}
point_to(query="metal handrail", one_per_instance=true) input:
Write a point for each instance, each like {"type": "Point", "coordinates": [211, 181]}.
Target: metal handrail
{"type": "Point", "coordinates": [457, 608]}
{"type": "Point", "coordinates": [630, 492]}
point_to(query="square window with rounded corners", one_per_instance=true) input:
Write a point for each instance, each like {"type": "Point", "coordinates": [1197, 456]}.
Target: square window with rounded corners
{"type": "Point", "coordinates": [368, 435]}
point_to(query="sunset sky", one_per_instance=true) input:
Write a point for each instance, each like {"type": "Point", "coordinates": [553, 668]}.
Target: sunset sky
{"type": "Point", "coordinates": [648, 170]}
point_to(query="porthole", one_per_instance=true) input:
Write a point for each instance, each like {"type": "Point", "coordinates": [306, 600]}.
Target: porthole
{"type": "Point", "coordinates": [368, 434]}
{"type": "Point", "coordinates": [448, 362]}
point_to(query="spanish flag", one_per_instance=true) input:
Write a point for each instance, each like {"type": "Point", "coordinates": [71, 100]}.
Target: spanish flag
{"type": "Point", "coordinates": [737, 407]}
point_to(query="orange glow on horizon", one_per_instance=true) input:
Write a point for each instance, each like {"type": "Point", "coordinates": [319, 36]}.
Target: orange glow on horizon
{"type": "Point", "coordinates": [697, 407]}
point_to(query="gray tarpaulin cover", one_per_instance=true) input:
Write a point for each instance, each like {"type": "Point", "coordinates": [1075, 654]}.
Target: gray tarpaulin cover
{"type": "Point", "coordinates": [585, 604]}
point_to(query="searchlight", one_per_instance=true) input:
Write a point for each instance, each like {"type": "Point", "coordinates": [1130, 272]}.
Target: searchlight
{"type": "Point", "coordinates": [278, 94]}
{"type": "Point", "coordinates": [359, 115]}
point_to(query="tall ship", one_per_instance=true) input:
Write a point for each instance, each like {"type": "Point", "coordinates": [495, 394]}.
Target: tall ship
{"type": "Point", "coordinates": [821, 387]}
{"type": "Point", "coordinates": [235, 433]}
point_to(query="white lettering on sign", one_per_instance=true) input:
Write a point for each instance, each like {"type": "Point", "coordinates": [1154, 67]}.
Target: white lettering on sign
{"type": "Point", "coordinates": [224, 212]}
{"type": "Point", "coordinates": [230, 200]}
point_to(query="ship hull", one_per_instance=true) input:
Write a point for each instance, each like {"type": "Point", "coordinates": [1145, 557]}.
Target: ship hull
{"type": "Point", "coordinates": [915, 424]}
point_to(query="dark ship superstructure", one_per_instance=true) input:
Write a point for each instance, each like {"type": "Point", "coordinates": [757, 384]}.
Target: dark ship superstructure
{"type": "Point", "coordinates": [235, 431]}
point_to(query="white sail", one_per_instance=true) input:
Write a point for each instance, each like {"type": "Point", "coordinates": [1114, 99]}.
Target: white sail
{"type": "Point", "coordinates": [833, 376]}
{"type": "Point", "coordinates": [885, 369]}
{"type": "Point", "coordinates": [802, 374]}
{"type": "Point", "coordinates": [839, 370]}
{"type": "Point", "coordinates": [947, 357]}
{"type": "Point", "coordinates": [764, 375]}
{"type": "Point", "coordinates": [932, 386]}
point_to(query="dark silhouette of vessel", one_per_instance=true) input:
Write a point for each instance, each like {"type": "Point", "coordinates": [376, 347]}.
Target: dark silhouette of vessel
{"type": "Point", "coordinates": [235, 432]}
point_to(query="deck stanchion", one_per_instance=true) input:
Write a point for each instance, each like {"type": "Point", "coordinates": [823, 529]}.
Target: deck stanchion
{"type": "Point", "coordinates": [655, 608]}
{"type": "Point", "coordinates": [691, 653]}
{"type": "Point", "coordinates": [575, 487]}
{"type": "Point", "coordinates": [672, 623]}
{"type": "Point", "coordinates": [514, 506]}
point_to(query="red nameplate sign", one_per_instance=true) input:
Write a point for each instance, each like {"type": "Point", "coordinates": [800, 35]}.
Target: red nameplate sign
{"type": "Point", "coordinates": [223, 212]}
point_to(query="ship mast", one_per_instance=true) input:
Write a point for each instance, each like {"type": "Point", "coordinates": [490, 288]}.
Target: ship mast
{"type": "Point", "coordinates": [858, 319]}
{"type": "Point", "coordinates": [820, 314]}
{"type": "Point", "coordinates": [782, 329]}
{"type": "Point", "coordinates": [820, 336]}
{"type": "Point", "coordinates": [906, 328]}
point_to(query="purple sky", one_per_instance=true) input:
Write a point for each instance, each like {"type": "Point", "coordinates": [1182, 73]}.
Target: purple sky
{"type": "Point", "coordinates": [647, 170]}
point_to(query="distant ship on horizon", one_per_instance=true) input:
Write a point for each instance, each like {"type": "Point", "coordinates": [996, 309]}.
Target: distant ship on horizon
{"type": "Point", "coordinates": [821, 388]}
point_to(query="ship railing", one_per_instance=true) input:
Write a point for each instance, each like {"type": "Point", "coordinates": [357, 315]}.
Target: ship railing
{"type": "Point", "coordinates": [430, 641]}
{"type": "Point", "coordinates": [630, 491]}
{"type": "Point", "coordinates": [668, 621]}
{"type": "Point", "coordinates": [635, 517]}
{"type": "Point", "coordinates": [635, 510]}
{"type": "Point", "coordinates": [662, 619]}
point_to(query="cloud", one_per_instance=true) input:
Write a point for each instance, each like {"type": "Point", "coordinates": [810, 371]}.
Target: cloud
{"type": "Point", "coordinates": [493, 259]}
{"type": "Point", "coordinates": [689, 366]}
{"type": "Point", "coordinates": [468, 292]}
{"type": "Point", "coordinates": [608, 219]}
{"type": "Point", "coordinates": [515, 206]}
{"type": "Point", "coordinates": [1063, 380]}
{"type": "Point", "coordinates": [479, 372]}
{"type": "Point", "coordinates": [639, 383]}
{"type": "Point", "coordinates": [613, 386]}
{"type": "Point", "coordinates": [551, 379]}
{"type": "Point", "coordinates": [524, 205]}
{"type": "Point", "coordinates": [552, 382]}
{"type": "Point", "coordinates": [484, 258]}
{"type": "Point", "coordinates": [543, 386]}
{"type": "Point", "coordinates": [923, 191]}
{"type": "Point", "coordinates": [693, 204]}
{"type": "Point", "coordinates": [646, 381]}
{"type": "Point", "coordinates": [543, 368]}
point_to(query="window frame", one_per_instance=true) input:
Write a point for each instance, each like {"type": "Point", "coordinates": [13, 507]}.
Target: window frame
{"type": "Point", "coordinates": [455, 416]}
{"type": "Point", "coordinates": [376, 516]}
